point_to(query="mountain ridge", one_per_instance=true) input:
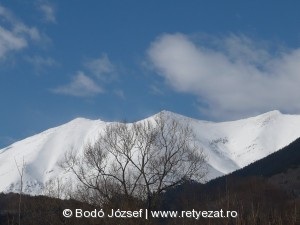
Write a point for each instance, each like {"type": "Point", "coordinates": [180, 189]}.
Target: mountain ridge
{"type": "Point", "coordinates": [229, 146]}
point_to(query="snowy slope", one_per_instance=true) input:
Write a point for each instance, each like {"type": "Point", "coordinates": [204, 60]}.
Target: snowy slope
{"type": "Point", "coordinates": [228, 145]}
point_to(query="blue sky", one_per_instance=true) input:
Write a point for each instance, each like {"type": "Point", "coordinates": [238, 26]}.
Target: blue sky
{"type": "Point", "coordinates": [126, 60]}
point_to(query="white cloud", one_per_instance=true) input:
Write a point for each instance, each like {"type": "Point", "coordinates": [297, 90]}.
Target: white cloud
{"type": "Point", "coordinates": [80, 86]}
{"type": "Point", "coordinates": [102, 68]}
{"type": "Point", "coordinates": [235, 78]}
{"type": "Point", "coordinates": [156, 90]}
{"type": "Point", "coordinates": [39, 62]}
{"type": "Point", "coordinates": [10, 42]}
{"type": "Point", "coordinates": [119, 93]}
{"type": "Point", "coordinates": [48, 11]}
{"type": "Point", "coordinates": [14, 35]}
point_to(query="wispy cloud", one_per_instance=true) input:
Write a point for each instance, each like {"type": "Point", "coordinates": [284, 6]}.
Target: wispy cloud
{"type": "Point", "coordinates": [14, 34]}
{"type": "Point", "coordinates": [80, 86]}
{"type": "Point", "coordinates": [232, 78]}
{"type": "Point", "coordinates": [48, 11]}
{"type": "Point", "coordinates": [102, 68]}
{"type": "Point", "coordinates": [119, 93]}
{"type": "Point", "coordinates": [90, 81]}
{"type": "Point", "coordinates": [10, 42]}
{"type": "Point", "coordinates": [155, 90]}
{"type": "Point", "coordinates": [40, 63]}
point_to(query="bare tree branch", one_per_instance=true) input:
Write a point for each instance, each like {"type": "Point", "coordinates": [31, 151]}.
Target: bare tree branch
{"type": "Point", "coordinates": [139, 160]}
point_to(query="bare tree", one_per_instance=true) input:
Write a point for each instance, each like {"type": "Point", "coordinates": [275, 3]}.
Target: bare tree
{"type": "Point", "coordinates": [141, 160]}
{"type": "Point", "coordinates": [21, 174]}
{"type": "Point", "coordinates": [57, 188]}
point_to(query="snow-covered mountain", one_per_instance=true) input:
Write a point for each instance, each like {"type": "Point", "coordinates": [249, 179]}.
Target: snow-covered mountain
{"type": "Point", "coordinates": [228, 145]}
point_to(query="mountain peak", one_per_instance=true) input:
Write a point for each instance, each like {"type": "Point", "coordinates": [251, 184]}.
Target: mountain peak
{"type": "Point", "coordinates": [273, 113]}
{"type": "Point", "coordinates": [268, 117]}
{"type": "Point", "coordinates": [172, 115]}
{"type": "Point", "coordinates": [164, 113]}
